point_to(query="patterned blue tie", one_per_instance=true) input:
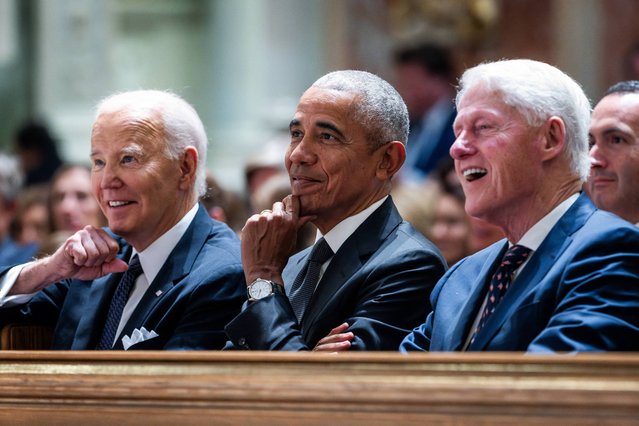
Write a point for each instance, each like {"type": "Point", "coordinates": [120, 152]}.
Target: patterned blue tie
{"type": "Point", "coordinates": [500, 282]}
{"type": "Point", "coordinates": [118, 301]}
{"type": "Point", "coordinates": [304, 285]}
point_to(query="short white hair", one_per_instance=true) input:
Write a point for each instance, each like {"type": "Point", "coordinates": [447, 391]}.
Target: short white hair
{"type": "Point", "coordinates": [181, 124]}
{"type": "Point", "coordinates": [538, 91]}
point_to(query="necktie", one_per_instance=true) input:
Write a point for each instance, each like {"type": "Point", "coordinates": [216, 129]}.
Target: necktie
{"type": "Point", "coordinates": [304, 285]}
{"type": "Point", "coordinates": [500, 282]}
{"type": "Point", "coordinates": [118, 301]}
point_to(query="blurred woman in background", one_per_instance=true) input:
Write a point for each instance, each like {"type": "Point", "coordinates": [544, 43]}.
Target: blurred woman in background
{"type": "Point", "coordinates": [72, 205]}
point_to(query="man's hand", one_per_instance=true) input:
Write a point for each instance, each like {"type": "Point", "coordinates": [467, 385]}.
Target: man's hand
{"type": "Point", "coordinates": [268, 240]}
{"type": "Point", "coordinates": [336, 341]}
{"type": "Point", "coordinates": [88, 254]}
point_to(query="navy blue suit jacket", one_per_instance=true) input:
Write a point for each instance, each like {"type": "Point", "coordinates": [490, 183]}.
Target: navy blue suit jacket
{"type": "Point", "coordinates": [378, 281]}
{"type": "Point", "coordinates": [578, 292]}
{"type": "Point", "coordinates": [198, 290]}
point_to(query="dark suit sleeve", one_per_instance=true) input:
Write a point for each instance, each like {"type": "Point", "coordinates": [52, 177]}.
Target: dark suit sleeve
{"type": "Point", "coordinates": [598, 301]}
{"type": "Point", "coordinates": [389, 299]}
{"type": "Point", "coordinates": [395, 300]}
{"type": "Point", "coordinates": [43, 308]}
{"type": "Point", "coordinates": [266, 324]}
{"type": "Point", "coordinates": [419, 339]}
{"type": "Point", "coordinates": [208, 308]}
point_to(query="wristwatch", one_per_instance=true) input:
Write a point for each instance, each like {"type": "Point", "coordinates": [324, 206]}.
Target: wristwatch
{"type": "Point", "coordinates": [260, 288]}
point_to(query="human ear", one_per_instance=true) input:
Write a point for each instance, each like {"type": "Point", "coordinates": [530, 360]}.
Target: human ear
{"type": "Point", "coordinates": [188, 167]}
{"type": "Point", "coordinates": [393, 156]}
{"type": "Point", "coordinates": [554, 138]}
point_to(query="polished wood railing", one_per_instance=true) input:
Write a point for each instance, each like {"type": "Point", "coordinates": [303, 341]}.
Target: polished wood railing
{"type": "Point", "coordinates": [103, 388]}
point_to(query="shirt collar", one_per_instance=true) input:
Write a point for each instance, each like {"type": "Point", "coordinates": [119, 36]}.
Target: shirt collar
{"type": "Point", "coordinates": [540, 230]}
{"type": "Point", "coordinates": [340, 232]}
{"type": "Point", "coordinates": [153, 257]}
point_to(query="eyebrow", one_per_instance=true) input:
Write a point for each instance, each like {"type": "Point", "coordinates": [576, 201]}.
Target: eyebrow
{"type": "Point", "coordinates": [128, 150]}
{"type": "Point", "coordinates": [614, 130]}
{"type": "Point", "coordinates": [330, 126]}
{"type": "Point", "coordinates": [132, 149]}
{"type": "Point", "coordinates": [321, 125]}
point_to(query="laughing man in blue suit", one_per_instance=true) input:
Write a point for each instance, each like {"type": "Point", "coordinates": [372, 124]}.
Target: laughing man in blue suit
{"type": "Point", "coordinates": [570, 281]}
{"type": "Point", "coordinates": [148, 151]}
{"type": "Point", "coordinates": [521, 154]}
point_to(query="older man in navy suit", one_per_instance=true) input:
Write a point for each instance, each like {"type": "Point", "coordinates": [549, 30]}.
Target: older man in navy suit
{"type": "Point", "coordinates": [170, 277]}
{"type": "Point", "coordinates": [368, 270]}
{"type": "Point", "coordinates": [567, 276]}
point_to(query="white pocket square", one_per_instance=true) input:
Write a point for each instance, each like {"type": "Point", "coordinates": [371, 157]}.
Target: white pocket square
{"type": "Point", "coordinates": [138, 335]}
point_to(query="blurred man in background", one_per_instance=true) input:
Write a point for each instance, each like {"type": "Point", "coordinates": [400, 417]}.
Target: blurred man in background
{"type": "Point", "coordinates": [614, 151]}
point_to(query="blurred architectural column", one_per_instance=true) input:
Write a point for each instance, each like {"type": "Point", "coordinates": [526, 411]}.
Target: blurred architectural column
{"type": "Point", "coordinates": [72, 69]}
{"type": "Point", "coordinates": [578, 34]}
{"type": "Point", "coordinates": [15, 56]}
{"type": "Point", "coordinates": [263, 55]}
{"type": "Point", "coordinates": [242, 64]}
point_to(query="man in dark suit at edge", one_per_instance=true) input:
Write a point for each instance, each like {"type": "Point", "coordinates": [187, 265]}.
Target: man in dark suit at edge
{"type": "Point", "coordinates": [148, 151]}
{"type": "Point", "coordinates": [368, 269]}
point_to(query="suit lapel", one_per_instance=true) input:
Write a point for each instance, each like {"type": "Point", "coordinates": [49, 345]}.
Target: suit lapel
{"type": "Point", "coordinates": [476, 292]}
{"type": "Point", "coordinates": [350, 257]}
{"type": "Point", "coordinates": [175, 268]}
{"type": "Point", "coordinates": [557, 241]}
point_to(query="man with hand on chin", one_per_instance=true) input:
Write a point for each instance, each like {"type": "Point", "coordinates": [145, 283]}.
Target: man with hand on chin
{"type": "Point", "coordinates": [368, 268]}
{"type": "Point", "coordinates": [170, 277]}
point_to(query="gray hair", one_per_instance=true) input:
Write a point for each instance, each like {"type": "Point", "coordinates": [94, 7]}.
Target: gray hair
{"type": "Point", "coordinates": [11, 178]}
{"type": "Point", "coordinates": [379, 108]}
{"type": "Point", "coordinates": [181, 124]}
{"type": "Point", "coordinates": [538, 91]}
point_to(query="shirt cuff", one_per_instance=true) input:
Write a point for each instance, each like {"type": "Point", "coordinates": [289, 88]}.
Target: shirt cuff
{"type": "Point", "coordinates": [6, 284]}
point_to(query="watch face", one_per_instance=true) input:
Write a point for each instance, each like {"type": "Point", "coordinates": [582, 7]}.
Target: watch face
{"type": "Point", "coordinates": [260, 289]}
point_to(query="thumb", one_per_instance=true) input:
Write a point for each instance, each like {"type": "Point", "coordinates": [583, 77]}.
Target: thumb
{"type": "Point", "coordinates": [115, 266]}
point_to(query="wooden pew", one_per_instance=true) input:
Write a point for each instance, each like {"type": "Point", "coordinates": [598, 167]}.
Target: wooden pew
{"type": "Point", "coordinates": [253, 388]}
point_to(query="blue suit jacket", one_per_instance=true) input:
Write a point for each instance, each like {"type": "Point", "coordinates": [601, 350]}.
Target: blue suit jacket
{"type": "Point", "coordinates": [198, 290]}
{"type": "Point", "coordinates": [578, 292]}
{"type": "Point", "coordinates": [378, 281]}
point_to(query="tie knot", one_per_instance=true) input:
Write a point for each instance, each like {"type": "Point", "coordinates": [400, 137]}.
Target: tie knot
{"type": "Point", "coordinates": [515, 257]}
{"type": "Point", "coordinates": [135, 267]}
{"type": "Point", "coordinates": [321, 252]}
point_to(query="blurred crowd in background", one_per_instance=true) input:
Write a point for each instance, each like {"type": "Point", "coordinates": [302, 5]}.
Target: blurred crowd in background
{"type": "Point", "coordinates": [43, 199]}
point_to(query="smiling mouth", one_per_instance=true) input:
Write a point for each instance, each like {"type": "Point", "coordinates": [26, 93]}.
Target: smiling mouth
{"type": "Point", "coordinates": [474, 174]}
{"type": "Point", "coordinates": [119, 203]}
{"type": "Point", "coordinates": [303, 180]}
